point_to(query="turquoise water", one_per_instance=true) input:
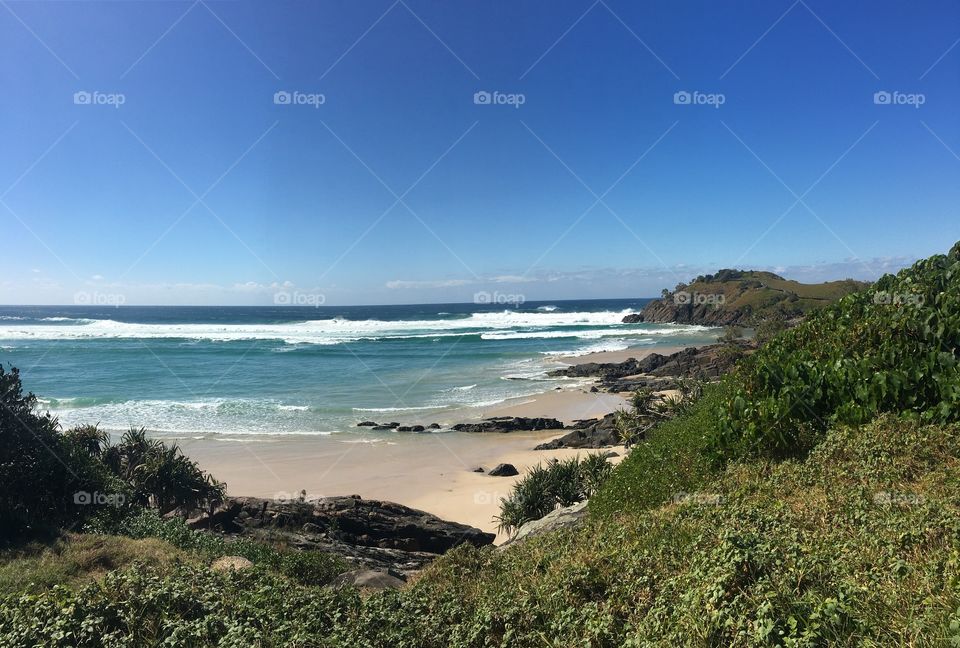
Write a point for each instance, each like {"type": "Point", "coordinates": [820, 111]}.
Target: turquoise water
{"type": "Point", "coordinates": [252, 372]}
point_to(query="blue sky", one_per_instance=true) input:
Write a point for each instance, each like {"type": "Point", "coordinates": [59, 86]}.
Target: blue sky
{"type": "Point", "coordinates": [400, 188]}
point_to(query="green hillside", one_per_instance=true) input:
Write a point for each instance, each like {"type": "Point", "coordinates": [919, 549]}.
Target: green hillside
{"type": "Point", "coordinates": [744, 297]}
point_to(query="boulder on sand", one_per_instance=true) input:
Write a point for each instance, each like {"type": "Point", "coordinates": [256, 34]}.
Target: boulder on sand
{"type": "Point", "coordinates": [503, 470]}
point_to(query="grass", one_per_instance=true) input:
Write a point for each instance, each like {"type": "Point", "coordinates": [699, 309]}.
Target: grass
{"type": "Point", "coordinates": [669, 462]}
{"type": "Point", "coordinates": [76, 559]}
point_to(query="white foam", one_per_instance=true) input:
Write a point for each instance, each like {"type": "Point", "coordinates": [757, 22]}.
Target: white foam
{"type": "Point", "coordinates": [328, 331]}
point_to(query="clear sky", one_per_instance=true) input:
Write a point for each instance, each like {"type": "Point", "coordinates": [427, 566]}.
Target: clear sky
{"type": "Point", "coordinates": [182, 177]}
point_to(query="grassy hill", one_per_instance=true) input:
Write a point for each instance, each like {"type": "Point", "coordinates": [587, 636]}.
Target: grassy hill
{"type": "Point", "coordinates": [744, 297]}
{"type": "Point", "coordinates": [812, 498]}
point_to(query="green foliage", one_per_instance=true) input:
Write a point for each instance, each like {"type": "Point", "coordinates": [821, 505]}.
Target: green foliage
{"type": "Point", "coordinates": [51, 480]}
{"type": "Point", "coordinates": [542, 489]}
{"type": "Point", "coordinates": [40, 471]}
{"type": "Point", "coordinates": [858, 544]}
{"type": "Point", "coordinates": [75, 559]}
{"type": "Point", "coordinates": [893, 348]}
{"type": "Point", "coordinates": [159, 475]}
{"type": "Point", "coordinates": [671, 459]}
{"type": "Point", "coordinates": [768, 329]}
{"type": "Point", "coordinates": [305, 567]}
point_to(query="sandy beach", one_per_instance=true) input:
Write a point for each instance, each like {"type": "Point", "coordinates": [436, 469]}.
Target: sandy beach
{"type": "Point", "coordinates": [432, 472]}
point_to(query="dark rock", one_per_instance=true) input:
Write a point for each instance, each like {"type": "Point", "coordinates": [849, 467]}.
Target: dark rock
{"type": "Point", "coordinates": [404, 428]}
{"type": "Point", "coordinates": [510, 424]}
{"type": "Point", "coordinates": [611, 454]}
{"type": "Point", "coordinates": [434, 426]}
{"type": "Point", "coordinates": [478, 469]}
{"type": "Point", "coordinates": [382, 427]}
{"type": "Point", "coordinates": [367, 579]}
{"type": "Point", "coordinates": [503, 470]}
{"type": "Point", "coordinates": [416, 428]}
{"type": "Point", "coordinates": [633, 318]}
{"type": "Point", "coordinates": [587, 434]}
{"type": "Point", "coordinates": [355, 521]}
{"type": "Point", "coordinates": [656, 371]}
{"type": "Point", "coordinates": [366, 424]}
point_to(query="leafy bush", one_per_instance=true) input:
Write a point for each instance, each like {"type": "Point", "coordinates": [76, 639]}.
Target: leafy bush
{"type": "Point", "coordinates": [41, 472]}
{"type": "Point", "coordinates": [305, 567]}
{"type": "Point", "coordinates": [543, 489]}
{"type": "Point", "coordinates": [892, 348]}
{"type": "Point", "coordinates": [159, 475]}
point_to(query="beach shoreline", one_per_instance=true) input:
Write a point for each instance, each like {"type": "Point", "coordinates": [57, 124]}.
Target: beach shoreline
{"type": "Point", "coordinates": [433, 472]}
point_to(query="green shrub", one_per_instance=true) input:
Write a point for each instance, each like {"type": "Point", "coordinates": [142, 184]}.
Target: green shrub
{"type": "Point", "coordinates": [305, 567]}
{"type": "Point", "coordinates": [42, 474]}
{"type": "Point", "coordinates": [892, 348]}
{"type": "Point", "coordinates": [561, 483]}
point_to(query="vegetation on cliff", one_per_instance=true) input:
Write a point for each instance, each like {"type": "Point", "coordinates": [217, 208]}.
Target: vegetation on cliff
{"type": "Point", "coordinates": [745, 298]}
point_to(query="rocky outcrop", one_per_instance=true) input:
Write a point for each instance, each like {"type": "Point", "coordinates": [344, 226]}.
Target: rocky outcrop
{"type": "Point", "coordinates": [633, 318]}
{"type": "Point", "coordinates": [503, 424]}
{"type": "Point", "coordinates": [659, 372]}
{"type": "Point", "coordinates": [369, 533]}
{"type": "Point", "coordinates": [587, 434]}
{"type": "Point", "coordinates": [561, 518]}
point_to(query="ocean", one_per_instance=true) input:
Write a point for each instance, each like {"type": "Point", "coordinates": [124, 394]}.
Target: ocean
{"type": "Point", "coordinates": [248, 373]}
